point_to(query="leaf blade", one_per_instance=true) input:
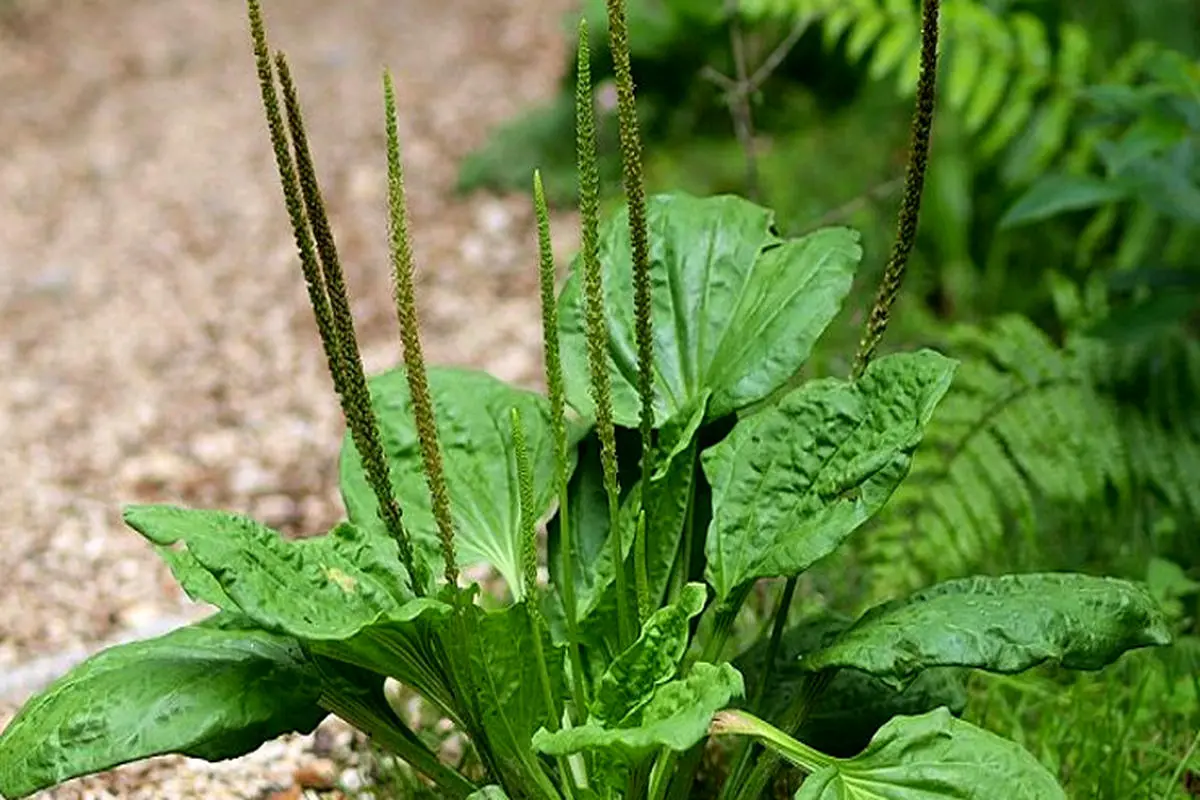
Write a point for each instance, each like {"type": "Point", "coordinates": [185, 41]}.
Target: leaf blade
{"type": "Point", "coordinates": [736, 309]}
{"type": "Point", "coordinates": [792, 482]}
{"type": "Point", "coordinates": [1006, 624]}
{"type": "Point", "coordinates": [214, 690]}
{"type": "Point", "coordinates": [472, 411]}
{"type": "Point", "coordinates": [934, 757]}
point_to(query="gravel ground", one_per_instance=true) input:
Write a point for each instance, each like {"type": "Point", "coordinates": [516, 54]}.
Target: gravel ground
{"type": "Point", "coordinates": [155, 343]}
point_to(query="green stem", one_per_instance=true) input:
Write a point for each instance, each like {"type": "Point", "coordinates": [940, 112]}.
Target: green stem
{"type": "Point", "coordinates": [684, 563]}
{"type": "Point", "coordinates": [743, 723]}
{"type": "Point", "coordinates": [660, 775]}
{"type": "Point", "coordinates": [625, 634]}
{"type": "Point", "coordinates": [636, 786]}
{"type": "Point", "coordinates": [571, 608]}
{"type": "Point", "coordinates": [1177, 776]}
{"type": "Point", "coordinates": [726, 615]}
{"type": "Point", "coordinates": [781, 615]}
{"type": "Point", "coordinates": [746, 747]}
{"type": "Point", "coordinates": [641, 577]}
{"type": "Point", "coordinates": [793, 718]}
{"type": "Point", "coordinates": [539, 653]}
{"type": "Point", "coordinates": [394, 735]}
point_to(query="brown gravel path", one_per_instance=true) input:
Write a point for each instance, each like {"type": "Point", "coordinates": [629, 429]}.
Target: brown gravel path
{"type": "Point", "coordinates": [155, 345]}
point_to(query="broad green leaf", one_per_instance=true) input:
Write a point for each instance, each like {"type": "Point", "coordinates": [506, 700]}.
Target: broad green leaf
{"type": "Point", "coordinates": [214, 690]}
{"type": "Point", "coordinates": [324, 588]}
{"type": "Point", "coordinates": [736, 309]}
{"type": "Point", "coordinates": [1005, 624]}
{"type": "Point", "coordinates": [492, 792]}
{"type": "Point", "coordinates": [472, 410]}
{"type": "Point", "coordinates": [934, 757]}
{"type": "Point", "coordinates": [793, 481]}
{"type": "Point", "coordinates": [491, 654]}
{"type": "Point", "coordinates": [652, 660]}
{"type": "Point", "coordinates": [1058, 194]}
{"type": "Point", "coordinates": [677, 717]}
{"type": "Point", "coordinates": [854, 705]}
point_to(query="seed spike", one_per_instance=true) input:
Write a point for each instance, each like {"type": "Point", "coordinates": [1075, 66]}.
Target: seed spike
{"type": "Point", "coordinates": [528, 523]}
{"type": "Point", "coordinates": [555, 386]}
{"type": "Point", "coordinates": [550, 345]}
{"type": "Point", "coordinates": [914, 183]}
{"type": "Point", "coordinates": [292, 196]}
{"type": "Point", "coordinates": [597, 328]}
{"type": "Point", "coordinates": [414, 359]}
{"type": "Point", "coordinates": [635, 197]}
{"type": "Point", "coordinates": [528, 591]}
{"type": "Point", "coordinates": [348, 374]}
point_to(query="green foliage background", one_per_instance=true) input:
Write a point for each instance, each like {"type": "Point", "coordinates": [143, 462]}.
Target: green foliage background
{"type": "Point", "coordinates": [1057, 260]}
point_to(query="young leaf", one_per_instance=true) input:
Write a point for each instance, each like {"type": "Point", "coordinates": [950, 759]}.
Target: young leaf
{"type": "Point", "coordinates": [652, 660]}
{"type": "Point", "coordinates": [589, 528]}
{"type": "Point", "coordinates": [792, 482]}
{"type": "Point", "coordinates": [930, 757]}
{"type": "Point", "coordinates": [214, 690]}
{"type": "Point", "coordinates": [1005, 624]}
{"type": "Point", "coordinates": [676, 717]}
{"type": "Point", "coordinates": [476, 442]}
{"type": "Point", "coordinates": [736, 309]}
{"type": "Point", "coordinates": [325, 588]}
{"type": "Point", "coordinates": [672, 483]}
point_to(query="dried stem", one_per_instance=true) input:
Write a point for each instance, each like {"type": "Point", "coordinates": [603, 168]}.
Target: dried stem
{"type": "Point", "coordinates": [739, 89]}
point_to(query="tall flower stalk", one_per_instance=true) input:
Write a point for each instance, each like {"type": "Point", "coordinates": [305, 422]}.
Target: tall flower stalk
{"type": "Point", "coordinates": [326, 285]}
{"type": "Point", "coordinates": [596, 325]}
{"type": "Point", "coordinates": [889, 290]}
{"type": "Point", "coordinates": [635, 198]}
{"type": "Point", "coordinates": [410, 336]}
{"type": "Point", "coordinates": [914, 184]}
{"type": "Point", "coordinates": [558, 424]}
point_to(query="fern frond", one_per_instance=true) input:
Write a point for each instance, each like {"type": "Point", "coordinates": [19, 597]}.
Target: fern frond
{"type": "Point", "coordinates": [1011, 88]}
{"type": "Point", "coordinates": [1020, 417]}
{"type": "Point", "coordinates": [1036, 448]}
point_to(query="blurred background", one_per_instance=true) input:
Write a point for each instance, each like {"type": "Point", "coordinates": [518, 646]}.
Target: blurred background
{"type": "Point", "coordinates": [155, 344]}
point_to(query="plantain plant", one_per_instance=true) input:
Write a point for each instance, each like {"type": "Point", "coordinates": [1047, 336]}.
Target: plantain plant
{"type": "Point", "coordinates": [675, 468]}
